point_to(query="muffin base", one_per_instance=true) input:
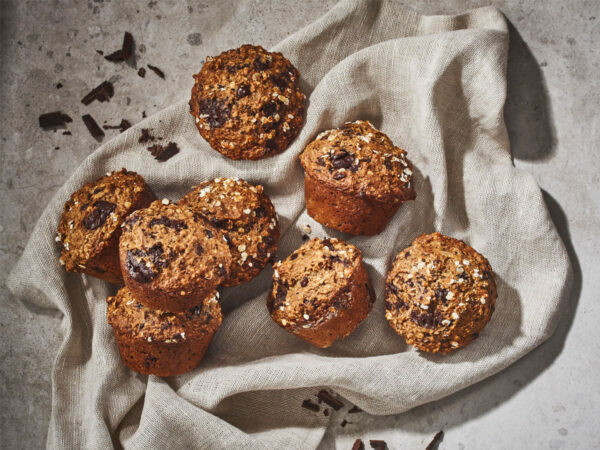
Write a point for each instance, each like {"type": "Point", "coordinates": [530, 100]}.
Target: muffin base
{"type": "Point", "coordinates": [344, 212]}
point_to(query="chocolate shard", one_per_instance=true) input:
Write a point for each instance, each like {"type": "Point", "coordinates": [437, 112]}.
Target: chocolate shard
{"type": "Point", "coordinates": [142, 72]}
{"type": "Point", "coordinates": [436, 439]}
{"type": "Point", "coordinates": [116, 56]}
{"type": "Point", "coordinates": [157, 71]}
{"type": "Point", "coordinates": [378, 444]}
{"type": "Point", "coordinates": [124, 125]}
{"type": "Point", "coordinates": [344, 423]}
{"type": "Point", "coordinates": [127, 49]}
{"type": "Point", "coordinates": [326, 397]}
{"type": "Point", "coordinates": [355, 409]}
{"type": "Point", "coordinates": [102, 93]}
{"type": "Point", "coordinates": [92, 126]}
{"type": "Point", "coordinates": [358, 445]}
{"type": "Point", "coordinates": [309, 404]}
{"type": "Point", "coordinates": [54, 119]}
{"type": "Point", "coordinates": [163, 152]}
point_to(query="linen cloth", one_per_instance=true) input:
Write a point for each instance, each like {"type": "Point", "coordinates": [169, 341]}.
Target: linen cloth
{"type": "Point", "coordinates": [437, 86]}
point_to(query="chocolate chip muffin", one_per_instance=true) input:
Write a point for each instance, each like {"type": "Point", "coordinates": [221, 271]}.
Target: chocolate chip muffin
{"type": "Point", "coordinates": [247, 219]}
{"type": "Point", "coordinates": [159, 342]}
{"type": "Point", "coordinates": [90, 225]}
{"type": "Point", "coordinates": [355, 179]}
{"type": "Point", "coordinates": [321, 292]}
{"type": "Point", "coordinates": [172, 258]}
{"type": "Point", "coordinates": [440, 293]}
{"type": "Point", "coordinates": [247, 102]}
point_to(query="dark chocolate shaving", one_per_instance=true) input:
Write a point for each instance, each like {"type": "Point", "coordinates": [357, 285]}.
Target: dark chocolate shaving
{"type": "Point", "coordinates": [330, 399]}
{"type": "Point", "coordinates": [157, 71]}
{"type": "Point", "coordinates": [138, 269]}
{"type": "Point", "coordinates": [309, 404]}
{"type": "Point", "coordinates": [163, 152]}
{"type": "Point", "coordinates": [378, 444]}
{"type": "Point", "coordinates": [102, 93]}
{"type": "Point", "coordinates": [436, 439]}
{"type": "Point", "coordinates": [54, 119]}
{"type": "Point", "coordinates": [92, 126]}
{"type": "Point", "coordinates": [358, 445]}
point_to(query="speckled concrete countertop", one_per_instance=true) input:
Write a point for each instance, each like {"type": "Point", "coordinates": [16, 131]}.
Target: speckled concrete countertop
{"type": "Point", "coordinates": [549, 399]}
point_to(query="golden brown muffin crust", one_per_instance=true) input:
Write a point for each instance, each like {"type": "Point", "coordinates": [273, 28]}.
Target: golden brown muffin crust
{"type": "Point", "coordinates": [167, 249]}
{"type": "Point", "coordinates": [92, 219]}
{"type": "Point", "coordinates": [360, 160]}
{"type": "Point", "coordinates": [440, 293]}
{"type": "Point", "coordinates": [247, 219]}
{"type": "Point", "coordinates": [247, 102]}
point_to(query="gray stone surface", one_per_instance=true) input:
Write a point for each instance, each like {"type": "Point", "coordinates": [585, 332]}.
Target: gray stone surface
{"type": "Point", "coordinates": [549, 399]}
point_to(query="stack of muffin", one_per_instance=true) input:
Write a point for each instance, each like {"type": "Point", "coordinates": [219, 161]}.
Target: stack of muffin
{"type": "Point", "coordinates": [172, 258]}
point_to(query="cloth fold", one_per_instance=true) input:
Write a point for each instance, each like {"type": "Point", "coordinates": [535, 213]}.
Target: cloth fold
{"type": "Point", "coordinates": [437, 86]}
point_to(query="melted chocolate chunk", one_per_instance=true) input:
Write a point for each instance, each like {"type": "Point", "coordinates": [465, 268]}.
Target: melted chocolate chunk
{"type": "Point", "coordinates": [430, 319]}
{"type": "Point", "coordinates": [176, 225]}
{"type": "Point", "coordinates": [440, 294]}
{"type": "Point", "coordinates": [216, 110]}
{"type": "Point", "coordinates": [260, 65]}
{"type": "Point", "coordinates": [282, 81]}
{"type": "Point", "coordinates": [269, 108]}
{"type": "Point", "coordinates": [260, 212]}
{"type": "Point", "coordinates": [155, 254]}
{"type": "Point", "coordinates": [342, 160]}
{"type": "Point", "coordinates": [242, 91]}
{"type": "Point", "coordinates": [98, 215]}
{"type": "Point", "coordinates": [136, 267]}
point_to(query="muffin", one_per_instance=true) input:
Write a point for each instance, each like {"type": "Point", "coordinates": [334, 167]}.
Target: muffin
{"type": "Point", "coordinates": [247, 102]}
{"type": "Point", "coordinates": [172, 258]}
{"type": "Point", "coordinates": [355, 179]}
{"type": "Point", "coordinates": [90, 225]}
{"type": "Point", "coordinates": [247, 219]}
{"type": "Point", "coordinates": [158, 342]}
{"type": "Point", "coordinates": [440, 293]}
{"type": "Point", "coordinates": [321, 292]}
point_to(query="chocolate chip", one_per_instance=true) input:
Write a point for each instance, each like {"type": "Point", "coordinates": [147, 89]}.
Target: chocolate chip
{"type": "Point", "coordinates": [176, 225]}
{"type": "Point", "coordinates": [269, 108]}
{"type": "Point", "coordinates": [142, 72]}
{"type": "Point", "coordinates": [155, 254]}
{"type": "Point", "coordinates": [378, 444]}
{"type": "Point", "coordinates": [157, 71]}
{"type": "Point", "coordinates": [163, 152]}
{"type": "Point", "coordinates": [437, 438]}
{"type": "Point", "coordinates": [54, 119]}
{"type": "Point", "coordinates": [268, 240]}
{"type": "Point", "coordinates": [330, 399]}
{"type": "Point", "coordinates": [138, 270]}
{"type": "Point", "coordinates": [216, 110]}
{"type": "Point", "coordinates": [98, 215]}
{"type": "Point", "coordinates": [280, 295]}
{"type": "Point", "coordinates": [339, 175]}
{"type": "Point", "coordinates": [304, 282]}
{"type": "Point", "coordinates": [102, 93]}
{"type": "Point", "coordinates": [388, 164]}
{"type": "Point", "coordinates": [199, 249]}
{"type": "Point", "coordinates": [342, 160]}
{"type": "Point", "coordinates": [260, 65]}
{"type": "Point", "coordinates": [242, 91]}
{"type": "Point", "coordinates": [92, 126]}
{"type": "Point", "coordinates": [309, 404]}
{"type": "Point", "coordinates": [358, 445]}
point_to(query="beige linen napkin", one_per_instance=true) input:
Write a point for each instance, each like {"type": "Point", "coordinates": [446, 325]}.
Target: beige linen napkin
{"type": "Point", "coordinates": [436, 85]}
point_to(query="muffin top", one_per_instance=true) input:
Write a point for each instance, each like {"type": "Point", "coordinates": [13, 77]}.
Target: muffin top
{"type": "Point", "coordinates": [94, 213]}
{"type": "Point", "coordinates": [245, 216]}
{"type": "Point", "coordinates": [360, 160]}
{"type": "Point", "coordinates": [130, 317]}
{"type": "Point", "coordinates": [313, 283]}
{"type": "Point", "coordinates": [440, 293]}
{"type": "Point", "coordinates": [172, 249]}
{"type": "Point", "coordinates": [247, 102]}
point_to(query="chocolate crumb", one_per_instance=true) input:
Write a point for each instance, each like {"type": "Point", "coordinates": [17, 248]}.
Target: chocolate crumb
{"type": "Point", "coordinates": [146, 136]}
{"type": "Point", "coordinates": [309, 404]}
{"type": "Point", "coordinates": [92, 126]}
{"type": "Point", "coordinates": [142, 72]}
{"type": "Point", "coordinates": [355, 409]}
{"type": "Point", "coordinates": [144, 114]}
{"type": "Point", "coordinates": [344, 423]}
{"type": "Point", "coordinates": [54, 119]}
{"type": "Point", "coordinates": [163, 152]}
{"type": "Point", "coordinates": [102, 93]}
{"type": "Point", "coordinates": [100, 52]}
{"type": "Point", "coordinates": [358, 445]}
{"type": "Point", "coordinates": [436, 439]}
{"type": "Point", "coordinates": [124, 125]}
{"type": "Point", "coordinates": [329, 399]}
{"type": "Point", "coordinates": [59, 85]}
{"type": "Point", "coordinates": [157, 71]}
{"type": "Point", "coordinates": [378, 444]}
{"type": "Point", "coordinates": [67, 133]}
{"type": "Point", "coordinates": [326, 412]}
